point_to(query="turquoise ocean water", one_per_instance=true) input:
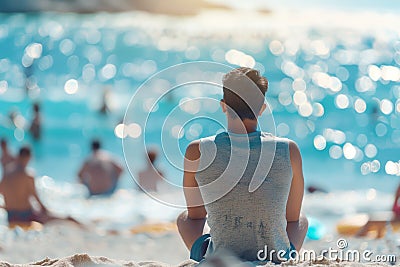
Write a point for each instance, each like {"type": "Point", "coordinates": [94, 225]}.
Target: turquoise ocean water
{"type": "Point", "coordinates": [336, 93]}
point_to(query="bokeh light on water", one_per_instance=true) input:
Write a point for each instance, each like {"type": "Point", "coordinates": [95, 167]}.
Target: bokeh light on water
{"type": "Point", "coordinates": [336, 93]}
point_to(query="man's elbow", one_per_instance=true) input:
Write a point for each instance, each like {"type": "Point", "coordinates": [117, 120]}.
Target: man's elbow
{"type": "Point", "coordinates": [197, 215]}
{"type": "Point", "coordinates": [293, 217]}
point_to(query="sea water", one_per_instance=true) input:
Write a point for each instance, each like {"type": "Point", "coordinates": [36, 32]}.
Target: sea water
{"type": "Point", "coordinates": [334, 89]}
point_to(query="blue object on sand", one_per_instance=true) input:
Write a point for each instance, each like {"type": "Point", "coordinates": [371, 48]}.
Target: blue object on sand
{"type": "Point", "coordinates": [316, 229]}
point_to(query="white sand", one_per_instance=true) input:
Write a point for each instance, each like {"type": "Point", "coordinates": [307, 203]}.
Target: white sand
{"type": "Point", "coordinates": [87, 260]}
{"type": "Point", "coordinates": [63, 239]}
{"type": "Point", "coordinates": [52, 245]}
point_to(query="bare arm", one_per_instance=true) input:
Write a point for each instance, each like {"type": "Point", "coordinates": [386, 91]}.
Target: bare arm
{"type": "Point", "coordinates": [293, 206]}
{"type": "Point", "coordinates": [194, 200]}
{"type": "Point", "coordinates": [117, 167]}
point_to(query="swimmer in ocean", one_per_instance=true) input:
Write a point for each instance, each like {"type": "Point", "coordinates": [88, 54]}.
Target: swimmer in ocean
{"type": "Point", "coordinates": [100, 172]}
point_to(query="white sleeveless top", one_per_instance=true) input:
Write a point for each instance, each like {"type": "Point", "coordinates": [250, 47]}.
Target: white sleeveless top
{"type": "Point", "coordinates": [245, 181]}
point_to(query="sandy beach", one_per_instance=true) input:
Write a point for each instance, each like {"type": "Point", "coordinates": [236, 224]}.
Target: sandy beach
{"type": "Point", "coordinates": [59, 240]}
{"type": "Point", "coordinates": [146, 236]}
{"type": "Point", "coordinates": [50, 246]}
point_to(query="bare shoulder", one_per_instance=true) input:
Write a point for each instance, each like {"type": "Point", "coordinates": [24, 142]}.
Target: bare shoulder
{"type": "Point", "coordinates": [294, 149]}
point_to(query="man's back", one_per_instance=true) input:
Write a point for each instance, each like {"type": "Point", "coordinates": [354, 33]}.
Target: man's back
{"type": "Point", "coordinates": [17, 186]}
{"type": "Point", "coordinates": [244, 221]}
{"type": "Point", "coordinates": [249, 183]}
{"type": "Point", "coordinates": [100, 173]}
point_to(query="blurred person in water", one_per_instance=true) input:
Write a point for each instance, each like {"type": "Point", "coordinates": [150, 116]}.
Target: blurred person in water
{"type": "Point", "coordinates": [36, 124]}
{"type": "Point", "coordinates": [151, 176]}
{"type": "Point", "coordinates": [100, 172]}
{"type": "Point", "coordinates": [18, 189]}
{"type": "Point", "coordinates": [6, 156]}
{"type": "Point", "coordinates": [229, 215]}
{"type": "Point", "coordinates": [104, 109]}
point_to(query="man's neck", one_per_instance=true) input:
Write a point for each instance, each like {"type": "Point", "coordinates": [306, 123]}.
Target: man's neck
{"type": "Point", "coordinates": [239, 126]}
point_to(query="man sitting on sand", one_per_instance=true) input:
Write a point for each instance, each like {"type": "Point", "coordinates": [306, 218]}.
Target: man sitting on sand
{"type": "Point", "coordinates": [232, 215]}
{"type": "Point", "coordinates": [100, 173]}
{"type": "Point", "coordinates": [17, 188]}
{"type": "Point", "coordinates": [149, 178]}
{"type": "Point", "coordinates": [6, 157]}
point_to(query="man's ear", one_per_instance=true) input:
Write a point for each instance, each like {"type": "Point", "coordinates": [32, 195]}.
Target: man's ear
{"type": "Point", "coordinates": [223, 105]}
{"type": "Point", "coordinates": [263, 107]}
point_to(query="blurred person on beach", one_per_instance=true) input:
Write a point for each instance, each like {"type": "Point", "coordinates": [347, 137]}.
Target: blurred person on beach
{"type": "Point", "coordinates": [35, 128]}
{"type": "Point", "coordinates": [104, 109]}
{"type": "Point", "coordinates": [6, 156]}
{"type": "Point", "coordinates": [396, 204]}
{"type": "Point", "coordinates": [18, 189]}
{"type": "Point", "coordinates": [151, 176]}
{"type": "Point", "coordinates": [240, 220]}
{"type": "Point", "coordinates": [100, 172]}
